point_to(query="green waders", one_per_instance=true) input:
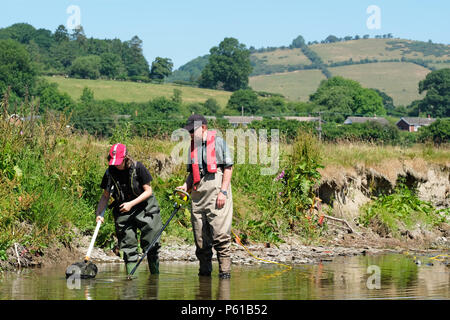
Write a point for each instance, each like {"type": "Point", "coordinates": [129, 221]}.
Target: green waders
{"type": "Point", "coordinates": [148, 221]}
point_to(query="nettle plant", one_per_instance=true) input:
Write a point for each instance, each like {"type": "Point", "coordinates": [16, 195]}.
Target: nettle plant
{"type": "Point", "coordinates": [300, 180]}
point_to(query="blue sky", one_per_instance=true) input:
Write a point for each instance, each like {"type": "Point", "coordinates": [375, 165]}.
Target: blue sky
{"type": "Point", "coordinates": [183, 30]}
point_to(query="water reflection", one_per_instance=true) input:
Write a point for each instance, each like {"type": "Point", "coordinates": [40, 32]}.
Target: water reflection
{"type": "Point", "coordinates": [344, 278]}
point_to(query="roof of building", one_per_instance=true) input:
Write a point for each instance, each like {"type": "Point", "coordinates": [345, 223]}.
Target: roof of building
{"type": "Point", "coordinates": [237, 119]}
{"type": "Point", "coordinates": [302, 118]}
{"type": "Point", "coordinates": [416, 121]}
{"type": "Point", "coordinates": [351, 120]}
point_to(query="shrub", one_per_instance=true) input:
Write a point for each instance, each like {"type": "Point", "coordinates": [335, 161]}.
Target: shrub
{"type": "Point", "coordinates": [438, 132]}
{"type": "Point", "coordinates": [401, 209]}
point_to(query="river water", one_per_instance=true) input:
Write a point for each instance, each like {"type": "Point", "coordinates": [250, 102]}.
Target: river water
{"type": "Point", "coordinates": [392, 276]}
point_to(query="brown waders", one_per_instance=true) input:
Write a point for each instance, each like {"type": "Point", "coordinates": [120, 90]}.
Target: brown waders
{"type": "Point", "coordinates": [212, 226]}
{"type": "Point", "coordinates": [148, 221]}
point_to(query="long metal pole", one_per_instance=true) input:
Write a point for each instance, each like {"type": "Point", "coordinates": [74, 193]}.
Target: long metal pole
{"type": "Point", "coordinates": [177, 206]}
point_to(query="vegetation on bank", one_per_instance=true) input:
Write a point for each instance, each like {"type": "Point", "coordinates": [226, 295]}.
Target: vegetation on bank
{"type": "Point", "coordinates": [400, 211]}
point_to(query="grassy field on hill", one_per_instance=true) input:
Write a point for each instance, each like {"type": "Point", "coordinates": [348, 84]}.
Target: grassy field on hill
{"type": "Point", "coordinates": [124, 91]}
{"type": "Point", "coordinates": [297, 85]}
{"type": "Point", "coordinates": [371, 49]}
{"type": "Point", "coordinates": [440, 65]}
{"type": "Point", "coordinates": [398, 79]}
{"type": "Point", "coordinates": [283, 57]}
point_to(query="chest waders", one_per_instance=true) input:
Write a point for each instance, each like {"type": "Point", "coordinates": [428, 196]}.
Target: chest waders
{"type": "Point", "coordinates": [144, 216]}
{"type": "Point", "coordinates": [211, 226]}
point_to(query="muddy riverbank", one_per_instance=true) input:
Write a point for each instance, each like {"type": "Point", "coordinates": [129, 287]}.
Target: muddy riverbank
{"type": "Point", "coordinates": [337, 242]}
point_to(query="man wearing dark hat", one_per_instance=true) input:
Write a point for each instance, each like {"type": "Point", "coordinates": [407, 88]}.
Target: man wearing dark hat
{"type": "Point", "coordinates": [210, 167]}
{"type": "Point", "coordinates": [134, 207]}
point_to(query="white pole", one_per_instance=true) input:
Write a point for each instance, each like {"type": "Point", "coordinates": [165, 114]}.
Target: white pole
{"type": "Point", "coordinates": [91, 246]}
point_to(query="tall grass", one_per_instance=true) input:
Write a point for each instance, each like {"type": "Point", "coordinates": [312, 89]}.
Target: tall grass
{"type": "Point", "coordinates": [48, 179]}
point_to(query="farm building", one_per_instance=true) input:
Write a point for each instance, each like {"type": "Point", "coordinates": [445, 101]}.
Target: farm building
{"type": "Point", "coordinates": [351, 120]}
{"type": "Point", "coordinates": [412, 124]}
{"type": "Point", "coordinates": [243, 121]}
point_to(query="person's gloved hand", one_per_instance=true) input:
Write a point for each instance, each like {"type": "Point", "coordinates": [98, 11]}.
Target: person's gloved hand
{"type": "Point", "coordinates": [100, 218]}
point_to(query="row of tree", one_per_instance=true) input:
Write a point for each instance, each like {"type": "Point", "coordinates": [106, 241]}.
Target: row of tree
{"type": "Point", "coordinates": [76, 55]}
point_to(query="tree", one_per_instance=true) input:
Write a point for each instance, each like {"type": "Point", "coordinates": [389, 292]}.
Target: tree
{"type": "Point", "coordinates": [51, 98]}
{"type": "Point", "coordinates": [343, 97]}
{"type": "Point", "coordinates": [438, 132]}
{"type": "Point", "coordinates": [331, 38]}
{"type": "Point", "coordinates": [61, 34]}
{"type": "Point", "coordinates": [21, 32]}
{"type": "Point", "coordinates": [78, 34]}
{"type": "Point", "coordinates": [388, 102]}
{"type": "Point", "coordinates": [298, 42]}
{"type": "Point", "coordinates": [111, 65]}
{"type": "Point", "coordinates": [437, 99]}
{"type": "Point", "coordinates": [43, 38]}
{"type": "Point", "coordinates": [134, 59]}
{"type": "Point", "coordinates": [16, 68]}
{"type": "Point", "coordinates": [87, 67]}
{"type": "Point", "coordinates": [63, 54]}
{"type": "Point", "coordinates": [211, 106]}
{"type": "Point", "coordinates": [244, 98]}
{"type": "Point", "coordinates": [87, 96]}
{"type": "Point", "coordinates": [161, 68]}
{"type": "Point", "coordinates": [228, 66]}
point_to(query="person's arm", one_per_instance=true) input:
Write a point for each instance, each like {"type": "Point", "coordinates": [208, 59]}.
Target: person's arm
{"type": "Point", "coordinates": [187, 186]}
{"type": "Point", "coordinates": [126, 206]}
{"type": "Point", "coordinates": [102, 205]}
{"type": "Point", "coordinates": [226, 180]}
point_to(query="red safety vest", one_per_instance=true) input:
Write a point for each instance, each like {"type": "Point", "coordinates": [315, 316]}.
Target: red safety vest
{"type": "Point", "coordinates": [211, 160]}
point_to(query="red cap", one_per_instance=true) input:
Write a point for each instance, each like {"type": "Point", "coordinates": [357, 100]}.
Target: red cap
{"type": "Point", "coordinates": [117, 154]}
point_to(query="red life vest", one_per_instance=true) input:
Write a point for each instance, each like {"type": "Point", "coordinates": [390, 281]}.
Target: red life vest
{"type": "Point", "coordinates": [211, 160]}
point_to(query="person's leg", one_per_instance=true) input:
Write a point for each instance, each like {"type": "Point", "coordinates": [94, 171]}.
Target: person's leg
{"type": "Point", "coordinates": [126, 235]}
{"type": "Point", "coordinates": [203, 242]}
{"type": "Point", "coordinates": [220, 221]}
{"type": "Point", "coordinates": [150, 225]}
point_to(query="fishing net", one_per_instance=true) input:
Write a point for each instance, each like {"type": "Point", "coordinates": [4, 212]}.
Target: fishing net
{"type": "Point", "coordinates": [85, 270]}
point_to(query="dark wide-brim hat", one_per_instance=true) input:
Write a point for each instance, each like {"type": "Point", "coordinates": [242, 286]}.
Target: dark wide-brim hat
{"type": "Point", "coordinates": [195, 121]}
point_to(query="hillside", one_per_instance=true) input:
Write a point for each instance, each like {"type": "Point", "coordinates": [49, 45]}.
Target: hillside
{"type": "Point", "coordinates": [394, 66]}
{"type": "Point", "coordinates": [398, 79]}
{"type": "Point", "coordinates": [296, 85]}
{"type": "Point", "coordinates": [127, 91]}
{"type": "Point", "coordinates": [381, 50]}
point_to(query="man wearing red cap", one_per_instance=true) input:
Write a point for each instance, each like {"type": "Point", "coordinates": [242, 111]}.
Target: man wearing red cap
{"type": "Point", "coordinates": [134, 207]}
{"type": "Point", "coordinates": [210, 168]}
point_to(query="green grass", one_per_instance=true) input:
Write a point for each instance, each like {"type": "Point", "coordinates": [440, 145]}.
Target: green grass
{"type": "Point", "coordinates": [399, 80]}
{"type": "Point", "coordinates": [297, 85]}
{"type": "Point", "coordinates": [125, 91]}
{"type": "Point", "coordinates": [351, 154]}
